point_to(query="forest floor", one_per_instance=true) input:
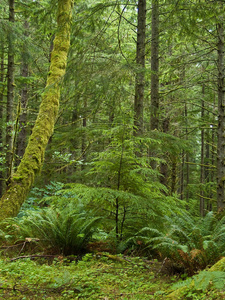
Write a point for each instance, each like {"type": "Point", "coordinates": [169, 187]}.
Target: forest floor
{"type": "Point", "coordinates": [100, 276]}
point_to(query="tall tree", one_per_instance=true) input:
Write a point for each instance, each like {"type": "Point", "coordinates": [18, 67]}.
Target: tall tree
{"type": "Point", "coordinates": [155, 66]}
{"type": "Point", "coordinates": [10, 95]}
{"type": "Point", "coordinates": [140, 74]}
{"type": "Point", "coordinates": [2, 183]}
{"type": "Point", "coordinates": [154, 109]}
{"type": "Point", "coordinates": [21, 143]}
{"type": "Point", "coordinates": [33, 157]}
{"type": "Point", "coordinates": [202, 174]}
{"type": "Point", "coordinates": [221, 120]}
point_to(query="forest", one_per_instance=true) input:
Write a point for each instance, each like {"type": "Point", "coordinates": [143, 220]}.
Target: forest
{"type": "Point", "coordinates": [112, 149]}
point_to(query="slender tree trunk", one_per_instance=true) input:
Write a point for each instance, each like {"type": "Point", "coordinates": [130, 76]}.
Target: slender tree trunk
{"type": "Point", "coordinates": [212, 160]}
{"type": "Point", "coordinates": [181, 188]}
{"type": "Point", "coordinates": [34, 154]}
{"type": "Point", "coordinates": [207, 168]}
{"type": "Point", "coordinates": [154, 109]}
{"type": "Point", "coordinates": [83, 139]}
{"type": "Point", "coordinates": [10, 96]}
{"type": "Point", "coordinates": [202, 174]}
{"type": "Point", "coordinates": [221, 121]}
{"type": "Point", "coordinates": [2, 181]}
{"type": "Point", "coordinates": [187, 157]}
{"type": "Point", "coordinates": [21, 140]}
{"type": "Point", "coordinates": [173, 174]}
{"type": "Point", "coordinates": [155, 66]}
{"type": "Point", "coordinates": [140, 75]}
{"type": "Point", "coordinates": [164, 166]}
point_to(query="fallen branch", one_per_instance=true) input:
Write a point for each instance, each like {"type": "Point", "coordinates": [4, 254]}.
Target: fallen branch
{"type": "Point", "coordinates": [34, 256]}
{"type": "Point", "coordinates": [123, 258]}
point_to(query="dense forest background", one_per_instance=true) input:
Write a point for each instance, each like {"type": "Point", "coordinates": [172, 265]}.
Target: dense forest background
{"type": "Point", "coordinates": [141, 104]}
{"type": "Point", "coordinates": [136, 163]}
{"type": "Point", "coordinates": [140, 130]}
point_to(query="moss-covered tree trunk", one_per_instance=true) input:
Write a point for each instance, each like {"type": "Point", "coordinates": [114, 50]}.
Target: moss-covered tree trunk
{"type": "Point", "coordinates": [33, 157]}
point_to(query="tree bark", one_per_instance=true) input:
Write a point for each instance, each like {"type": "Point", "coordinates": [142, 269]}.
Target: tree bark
{"type": "Point", "coordinates": [21, 141]}
{"type": "Point", "coordinates": [187, 157]}
{"type": "Point", "coordinates": [83, 138]}
{"type": "Point", "coordinates": [164, 166]}
{"type": "Point", "coordinates": [154, 109]}
{"type": "Point", "coordinates": [202, 174]}
{"type": "Point", "coordinates": [221, 121]}
{"type": "Point", "coordinates": [2, 181]}
{"type": "Point", "coordinates": [43, 129]}
{"type": "Point", "coordinates": [155, 66]}
{"type": "Point", "coordinates": [140, 74]}
{"type": "Point", "coordinates": [10, 96]}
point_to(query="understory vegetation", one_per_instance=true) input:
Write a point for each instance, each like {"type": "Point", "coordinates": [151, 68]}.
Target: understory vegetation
{"type": "Point", "coordinates": [63, 245]}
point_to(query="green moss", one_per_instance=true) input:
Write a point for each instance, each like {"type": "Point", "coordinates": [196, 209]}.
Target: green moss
{"type": "Point", "coordinates": [34, 154]}
{"type": "Point", "coordinates": [219, 266]}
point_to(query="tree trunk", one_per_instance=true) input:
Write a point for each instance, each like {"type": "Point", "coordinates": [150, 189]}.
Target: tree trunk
{"type": "Point", "coordinates": [187, 157]}
{"type": "Point", "coordinates": [155, 66]}
{"type": "Point", "coordinates": [2, 182]}
{"type": "Point", "coordinates": [10, 97]}
{"type": "Point", "coordinates": [173, 174]}
{"type": "Point", "coordinates": [207, 169]}
{"type": "Point", "coordinates": [83, 138]}
{"type": "Point", "coordinates": [140, 75]}
{"type": "Point", "coordinates": [21, 141]}
{"type": "Point", "coordinates": [202, 174]}
{"type": "Point", "coordinates": [164, 166]}
{"type": "Point", "coordinates": [154, 110]}
{"type": "Point", "coordinates": [44, 125]}
{"type": "Point", "coordinates": [181, 187]}
{"type": "Point", "coordinates": [221, 121]}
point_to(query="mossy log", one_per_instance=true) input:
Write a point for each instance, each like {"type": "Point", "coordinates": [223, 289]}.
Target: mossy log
{"type": "Point", "coordinates": [33, 158]}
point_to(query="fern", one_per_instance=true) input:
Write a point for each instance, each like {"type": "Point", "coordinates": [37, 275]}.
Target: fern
{"type": "Point", "coordinates": [203, 281]}
{"type": "Point", "coordinates": [65, 230]}
{"type": "Point", "coordinates": [187, 241]}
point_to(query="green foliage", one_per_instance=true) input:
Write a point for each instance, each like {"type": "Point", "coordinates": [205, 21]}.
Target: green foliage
{"type": "Point", "coordinates": [64, 230]}
{"type": "Point", "coordinates": [134, 210]}
{"type": "Point", "coordinates": [203, 281]}
{"type": "Point", "coordinates": [94, 277]}
{"type": "Point", "coordinates": [37, 197]}
{"type": "Point", "coordinates": [205, 285]}
{"type": "Point", "coordinates": [192, 243]}
{"type": "Point", "coordinates": [101, 277]}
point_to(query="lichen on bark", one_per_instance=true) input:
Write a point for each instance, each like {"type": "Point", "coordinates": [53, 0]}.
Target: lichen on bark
{"type": "Point", "coordinates": [33, 158]}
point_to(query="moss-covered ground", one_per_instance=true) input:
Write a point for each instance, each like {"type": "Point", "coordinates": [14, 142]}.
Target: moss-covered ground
{"type": "Point", "coordinates": [94, 277]}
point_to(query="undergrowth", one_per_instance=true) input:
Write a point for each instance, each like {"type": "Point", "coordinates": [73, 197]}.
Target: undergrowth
{"type": "Point", "coordinates": [101, 276]}
{"type": "Point", "coordinates": [94, 277]}
{"type": "Point", "coordinates": [190, 243]}
{"type": "Point", "coordinates": [63, 231]}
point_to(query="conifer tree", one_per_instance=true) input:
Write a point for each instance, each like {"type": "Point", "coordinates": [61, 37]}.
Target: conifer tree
{"type": "Point", "coordinates": [140, 76]}
{"type": "Point", "coordinates": [221, 120]}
